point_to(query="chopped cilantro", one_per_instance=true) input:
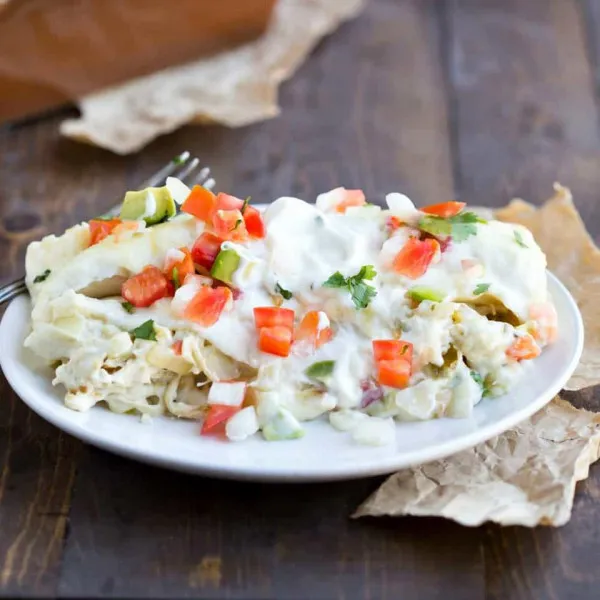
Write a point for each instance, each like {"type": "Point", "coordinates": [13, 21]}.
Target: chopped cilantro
{"type": "Point", "coordinates": [245, 205]}
{"type": "Point", "coordinates": [320, 370]}
{"type": "Point", "coordinates": [128, 307]}
{"type": "Point", "coordinates": [283, 292]}
{"type": "Point", "coordinates": [42, 276]}
{"type": "Point", "coordinates": [337, 280]}
{"type": "Point", "coordinates": [477, 378]}
{"type": "Point", "coordinates": [176, 281]}
{"type": "Point", "coordinates": [362, 293]}
{"type": "Point", "coordinates": [459, 227]}
{"type": "Point", "coordinates": [484, 384]}
{"type": "Point", "coordinates": [519, 240]}
{"type": "Point", "coordinates": [145, 331]}
{"type": "Point", "coordinates": [481, 288]}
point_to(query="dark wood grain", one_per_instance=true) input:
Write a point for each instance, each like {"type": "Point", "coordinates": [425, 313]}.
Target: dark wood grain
{"type": "Point", "coordinates": [523, 99]}
{"type": "Point", "coordinates": [486, 99]}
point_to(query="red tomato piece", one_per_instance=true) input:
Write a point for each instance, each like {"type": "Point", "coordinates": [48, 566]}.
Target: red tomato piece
{"type": "Point", "coordinates": [444, 209]}
{"type": "Point", "coordinates": [308, 330]}
{"type": "Point", "coordinates": [394, 373]}
{"type": "Point", "coordinates": [392, 223]}
{"type": "Point", "coordinates": [218, 414]}
{"type": "Point", "coordinates": [206, 306]}
{"type": "Point", "coordinates": [392, 350]}
{"type": "Point", "coordinates": [227, 202]}
{"type": "Point", "coordinates": [254, 222]}
{"type": "Point", "coordinates": [351, 198]}
{"type": "Point", "coordinates": [201, 203]}
{"type": "Point", "coordinates": [100, 229]}
{"type": "Point", "coordinates": [275, 340]}
{"type": "Point", "coordinates": [230, 225]}
{"type": "Point", "coordinates": [523, 348]}
{"type": "Point", "coordinates": [205, 249]}
{"type": "Point", "coordinates": [184, 267]}
{"type": "Point", "coordinates": [271, 316]}
{"type": "Point", "coordinates": [177, 347]}
{"type": "Point", "coordinates": [546, 322]}
{"type": "Point", "coordinates": [415, 257]}
{"type": "Point", "coordinates": [145, 288]}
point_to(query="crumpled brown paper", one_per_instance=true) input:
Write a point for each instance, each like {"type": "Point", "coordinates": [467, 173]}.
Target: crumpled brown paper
{"type": "Point", "coordinates": [527, 475]}
{"type": "Point", "coordinates": [234, 88]}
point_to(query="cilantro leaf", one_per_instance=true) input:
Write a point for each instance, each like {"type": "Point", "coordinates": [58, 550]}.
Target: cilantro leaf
{"type": "Point", "coordinates": [283, 292]}
{"type": "Point", "coordinates": [128, 307]}
{"type": "Point", "coordinates": [337, 280]}
{"type": "Point", "coordinates": [459, 227]}
{"type": "Point", "coordinates": [477, 378]}
{"type": "Point", "coordinates": [245, 205]}
{"type": "Point", "coordinates": [366, 272]}
{"type": "Point", "coordinates": [485, 384]}
{"type": "Point", "coordinates": [320, 370]}
{"type": "Point", "coordinates": [145, 331]}
{"type": "Point", "coordinates": [361, 293]}
{"type": "Point", "coordinates": [176, 281]}
{"type": "Point", "coordinates": [481, 288]}
{"type": "Point", "coordinates": [519, 239]}
{"type": "Point", "coordinates": [42, 276]}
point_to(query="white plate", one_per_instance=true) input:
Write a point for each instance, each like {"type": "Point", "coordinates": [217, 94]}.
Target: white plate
{"type": "Point", "coordinates": [323, 453]}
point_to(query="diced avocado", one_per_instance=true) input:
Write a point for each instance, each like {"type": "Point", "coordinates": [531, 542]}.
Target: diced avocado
{"type": "Point", "coordinates": [153, 205]}
{"type": "Point", "coordinates": [283, 426]}
{"type": "Point", "coordinates": [321, 371]}
{"type": "Point", "coordinates": [225, 265]}
{"type": "Point", "coordinates": [421, 292]}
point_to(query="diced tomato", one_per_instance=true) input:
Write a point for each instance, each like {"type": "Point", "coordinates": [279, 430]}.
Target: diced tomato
{"type": "Point", "coordinates": [444, 209]}
{"type": "Point", "coordinates": [308, 330]}
{"type": "Point", "coordinates": [275, 340]}
{"type": "Point", "coordinates": [392, 223]}
{"type": "Point", "coordinates": [146, 287]}
{"type": "Point", "coordinates": [184, 267]}
{"type": "Point", "coordinates": [523, 348]}
{"type": "Point", "coordinates": [415, 257]}
{"type": "Point", "coordinates": [392, 349]}
{"type": "Point", "coordinates": [545, 318]}
{"type": "Point", "coordinates": [100, 229]}
{"type": "Point", "coordinates": [227, 202]}
{"type": "Point", "coordinates": [271, 316]}
{"type": "Point", "coordinates": [206, 306]}
{"type": "Point", "coordinates": [254, 222]}
{"type": "Point", "coordinates": [351, 198]}
{"type": "Point", "coordinates": [218, 415]}
{"type": "Point", "coordinates": [394, 373]}
{"type": "Point", "coordinates": [177, 347]}
{"type": "Point", "coordinates": [205, 249]}
{"type": "Point", "coordinates": [201, 203]}
{"type": "Point", "coordinates": [230, 225]}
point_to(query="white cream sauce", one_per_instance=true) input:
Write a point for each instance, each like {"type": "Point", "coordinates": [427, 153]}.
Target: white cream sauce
{"type": "Point", "coordinates": [304, 246]}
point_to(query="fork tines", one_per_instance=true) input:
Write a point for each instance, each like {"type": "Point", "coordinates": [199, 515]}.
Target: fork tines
{"type": "Point", "coordinates": [185, 168]}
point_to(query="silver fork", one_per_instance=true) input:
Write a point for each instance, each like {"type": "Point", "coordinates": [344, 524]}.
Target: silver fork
{"type": "Point", "coordinates": [184, 167]}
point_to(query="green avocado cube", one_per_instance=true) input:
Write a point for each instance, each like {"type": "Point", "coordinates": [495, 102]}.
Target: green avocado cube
{"type": "Point", "coordinates": [153, 205]}
{"type": "Point", "coordinates": [421, 292]}
{"type": "Point", "coordinates": [225, 265]}
{"type": "Point", "coordinates": [283, 426]}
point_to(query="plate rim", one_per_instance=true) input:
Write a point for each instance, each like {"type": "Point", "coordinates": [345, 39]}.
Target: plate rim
{"type": "Point", "coordinates": [271, 473]}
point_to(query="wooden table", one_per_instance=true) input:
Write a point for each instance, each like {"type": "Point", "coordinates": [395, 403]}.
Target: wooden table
{"type": "Point", "coordinates": [482, 100]}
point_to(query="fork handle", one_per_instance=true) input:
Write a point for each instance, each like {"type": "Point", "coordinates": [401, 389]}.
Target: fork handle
{"type": "Point", "coordinates": [12, 290]}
